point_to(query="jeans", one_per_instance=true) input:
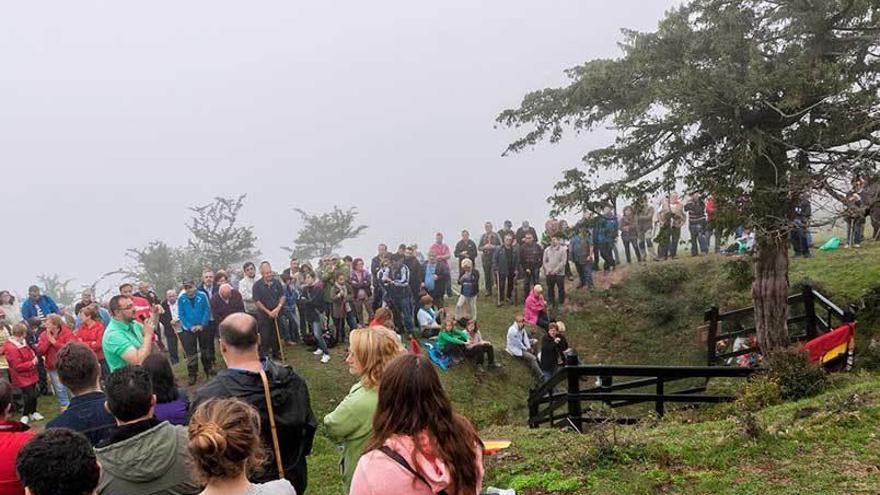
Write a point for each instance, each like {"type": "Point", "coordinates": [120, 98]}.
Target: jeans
{"type": "Point", "coordinates": [476, 353]}
{"type": "Point", "coordinates": [607, 254]}
{"type": "Point", "coordinates": [487, 272]}
{"type": "Point", "coordinates": [627, 243]}
{"type": "Point", "coordinates": [505, 286]}
{"type": "Point", "coordinates": [530, 279]}
{"type": "Point", "coordinates": [29, 400]}
{"type": "Point", "coordinates": [318, 333]}
{"type": "Point", "coordinates": [699, 239]}
{"type": "Point", "coordinates": [269, 336]}
{"type": "Point", "coordinates": [645, 242]}
{"type": "Point", "coordinates": [193, 343]}
{"type": "Point", "coordinates": [340, 323]}
{"type": "Point", "coordinates": [171, 344]}
{"type": "Point", "coordinates": [532, 362]}
{"type": "Point", "coordinates": [466, 308]}
{"type": "Point", "coordinates": [855, 230]}
{"type": "Point", "coordinates": [554, 283]}
{"type": "Point", "coordinates": [404, 306]}
{"type": "Point", "coordinates": [290, 327]}
{"type": "Point", "coordinates": [60, 390]}
{"type": "Point", "coordinates": [667, 246]}
{"type": "Point", "coordinates": [585, 272]}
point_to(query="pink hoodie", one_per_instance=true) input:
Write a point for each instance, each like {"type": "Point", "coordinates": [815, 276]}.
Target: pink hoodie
{"type": "Point", "coordinates": [533, 306]}
{"type": "Point", "coordinates": [376, 473]}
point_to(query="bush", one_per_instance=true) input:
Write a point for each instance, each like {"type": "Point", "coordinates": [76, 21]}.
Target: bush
{"type": "Point", "coordinates": [664, 278]}
{"type": "Point", "coordinates": [759, 392]}
{"type": "Point", "coordinates": [871, 305]}
{"type": "Point", "coordinates": [796, 376]}
{"type": "Point", "coordinates": [739, 273]}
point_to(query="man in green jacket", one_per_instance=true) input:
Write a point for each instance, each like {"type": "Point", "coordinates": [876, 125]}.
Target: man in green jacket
{"type": "Point", "coordinates": [142, 455]}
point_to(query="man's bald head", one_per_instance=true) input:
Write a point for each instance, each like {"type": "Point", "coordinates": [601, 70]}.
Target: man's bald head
{"type": "Point", "coordinates": [239, 331]}
{"type": "Point", "coordinates": [225, 291]}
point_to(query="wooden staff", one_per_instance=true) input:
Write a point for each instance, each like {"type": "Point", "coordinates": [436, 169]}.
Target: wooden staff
{"type": "Point", "coordinates": [278, 334]}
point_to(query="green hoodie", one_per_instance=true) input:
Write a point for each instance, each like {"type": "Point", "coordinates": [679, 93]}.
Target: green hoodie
{"type": "Point", "coordinates": [454, 336]}
{"type": "Point", "coordinates": [154, 462]}
{"type": "Point", "coordinates": [351, 424]}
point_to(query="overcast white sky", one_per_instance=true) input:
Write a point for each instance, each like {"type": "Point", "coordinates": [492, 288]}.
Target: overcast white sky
{"type": "Point", "coordinates": [117, 115]}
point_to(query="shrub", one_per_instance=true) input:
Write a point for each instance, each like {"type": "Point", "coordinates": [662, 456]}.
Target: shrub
{"type": "Point", "coordinates": [796, 376]}
{"type": "Point", "coordinates": [759, 392]}
{"type": "Point", "coordinates": [739, 273]}
{"type": "Point", "coordinates": [664, 278]}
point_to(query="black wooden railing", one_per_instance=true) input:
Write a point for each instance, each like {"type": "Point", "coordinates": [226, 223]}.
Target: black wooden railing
{"type": "Point", "coordinates": [559, 401]}
{"type": "Point", "coordinates": [811, 314]}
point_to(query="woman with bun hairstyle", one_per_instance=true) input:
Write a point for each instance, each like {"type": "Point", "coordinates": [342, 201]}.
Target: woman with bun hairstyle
{"type": "Point", "coordinates": [224, 440]}
{"type": "Point", "coordinates": [352, 421]}
{"type": "Point", "coordinates": [419, 445]}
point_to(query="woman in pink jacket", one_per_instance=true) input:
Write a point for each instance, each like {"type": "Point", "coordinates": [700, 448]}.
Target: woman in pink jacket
{"type": "Point", "coordinates": [535, 311]}
{"type": "Point", "coordinates": [419, 445]}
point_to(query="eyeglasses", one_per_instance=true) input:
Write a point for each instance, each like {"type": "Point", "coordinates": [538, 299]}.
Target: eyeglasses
{"type": "Point", "coordinates": [125, 308]}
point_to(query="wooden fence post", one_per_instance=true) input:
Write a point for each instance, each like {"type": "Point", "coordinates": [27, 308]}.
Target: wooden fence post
{"type": "Point", "coordinates": [575, 412]}
{"type": "Point", "coordinates": [810, 312]}
{"type": "Point", "coordinates": [712, 317]}
{"type": "Point", "coordinates": [659, 405]}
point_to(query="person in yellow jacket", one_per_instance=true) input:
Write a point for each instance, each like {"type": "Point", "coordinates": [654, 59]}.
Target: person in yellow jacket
{"type": "Point", "coordinates": [351, 423]}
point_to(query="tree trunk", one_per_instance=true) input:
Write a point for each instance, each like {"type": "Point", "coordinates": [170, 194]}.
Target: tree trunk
{"type": "Point", "coordinates": [770, 293]}
{"type": "Point", "coordinates": [771, 210]}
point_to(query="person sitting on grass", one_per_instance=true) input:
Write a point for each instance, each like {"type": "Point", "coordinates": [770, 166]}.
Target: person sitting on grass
{"type": "Point", "coordinates": [429, 318]}
{"type": "Point", "coordinates": [452, 340]}
{"type": "Point", "coordinates": [476, 347]}
{"type": "Point", "coordinates": [535, 312]}
{"type": "Point", "coordinates": [58, 462]}
{"type": "Point", "coordinates": [519, 345]}
{"type": "Point", "coordinates": [79, 371]}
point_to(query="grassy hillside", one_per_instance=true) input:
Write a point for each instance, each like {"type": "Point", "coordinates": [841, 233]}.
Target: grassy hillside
{"type": "Point", "coordinates": [653, 316]}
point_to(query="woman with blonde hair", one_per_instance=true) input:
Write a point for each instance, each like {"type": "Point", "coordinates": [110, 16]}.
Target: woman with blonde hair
{"type": "Point", "coordinates": [351, 423]}
{"type": "Point", "coordinates": [224, 441]}
{"type": "Point", "coordinates": [469, 280]}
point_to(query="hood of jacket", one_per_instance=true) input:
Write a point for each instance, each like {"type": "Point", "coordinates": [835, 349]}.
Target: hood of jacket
{"type": "Point", "coordinates": [144, 457]}
{"type": "Point", "coordinates": [432, 467]}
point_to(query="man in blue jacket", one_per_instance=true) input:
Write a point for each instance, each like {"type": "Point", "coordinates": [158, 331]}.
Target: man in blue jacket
{"type": "Point", "coordinates": [37, 306]}
{"type": "Point", "coordinates": [195, 315]}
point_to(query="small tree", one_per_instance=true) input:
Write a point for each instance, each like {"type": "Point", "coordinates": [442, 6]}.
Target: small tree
{"type": "Point", "coordinates": [57, 288]}
{"type": "Point", "coordinates": [756, 100]}
{"type": "Point", "coordinates": [324, 233]}
{"type": "Point", "coordinates": [218, 240]}
{"type": "Point", "coordinates": [156, 263]}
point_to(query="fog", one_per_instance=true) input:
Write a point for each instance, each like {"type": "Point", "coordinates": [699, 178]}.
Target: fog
{"type": "Point", "coordinates": [117, 116]}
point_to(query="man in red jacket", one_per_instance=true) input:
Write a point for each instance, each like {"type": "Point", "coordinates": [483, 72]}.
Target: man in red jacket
{"type": "Point", "coordinates": [13, 436]}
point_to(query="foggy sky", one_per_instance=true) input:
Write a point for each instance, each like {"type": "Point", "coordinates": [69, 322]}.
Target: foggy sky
{"type": "Point", "coordinates": [117, 116]}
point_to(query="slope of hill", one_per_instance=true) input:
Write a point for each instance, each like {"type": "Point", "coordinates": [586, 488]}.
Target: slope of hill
{"type": "Point", "coordinates": [651, 316]}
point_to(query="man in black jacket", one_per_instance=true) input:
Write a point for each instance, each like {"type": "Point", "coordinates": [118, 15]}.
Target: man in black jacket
{"type": "Point", "coordinates": [170, 324]}
{"type": "Point", "coordinates": [375, 266]}
{"type": "Point", "coordinates": [295, 421]}
{"type": "Point", "coordinates": [466, 249]}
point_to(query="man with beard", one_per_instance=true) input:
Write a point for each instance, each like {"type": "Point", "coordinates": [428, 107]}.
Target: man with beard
{"type": "Point", "coordinates": [127, 341]}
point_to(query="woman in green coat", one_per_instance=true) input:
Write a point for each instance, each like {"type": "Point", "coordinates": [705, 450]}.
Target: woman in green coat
{"type": "Point", "coordinates": [351, 423]}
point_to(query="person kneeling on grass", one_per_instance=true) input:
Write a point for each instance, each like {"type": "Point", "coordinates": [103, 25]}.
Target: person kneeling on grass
{"type": "Point", "coordinates": [553, 347]}
{"type": "Point", "coordinates": [476, 347]}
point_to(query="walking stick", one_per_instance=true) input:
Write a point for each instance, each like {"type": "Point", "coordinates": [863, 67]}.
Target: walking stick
{"type": "Point", "coordinates": [498, 288]}
{"type": "Point", "coordinates": [278, 334]}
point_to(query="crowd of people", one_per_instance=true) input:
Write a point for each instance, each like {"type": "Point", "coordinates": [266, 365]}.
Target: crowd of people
{"type": "Point", "coordinates": [129, 428]}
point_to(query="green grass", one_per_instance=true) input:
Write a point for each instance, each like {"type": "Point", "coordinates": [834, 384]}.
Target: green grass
{"type": "Point", "coordinates": [652, 317]}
